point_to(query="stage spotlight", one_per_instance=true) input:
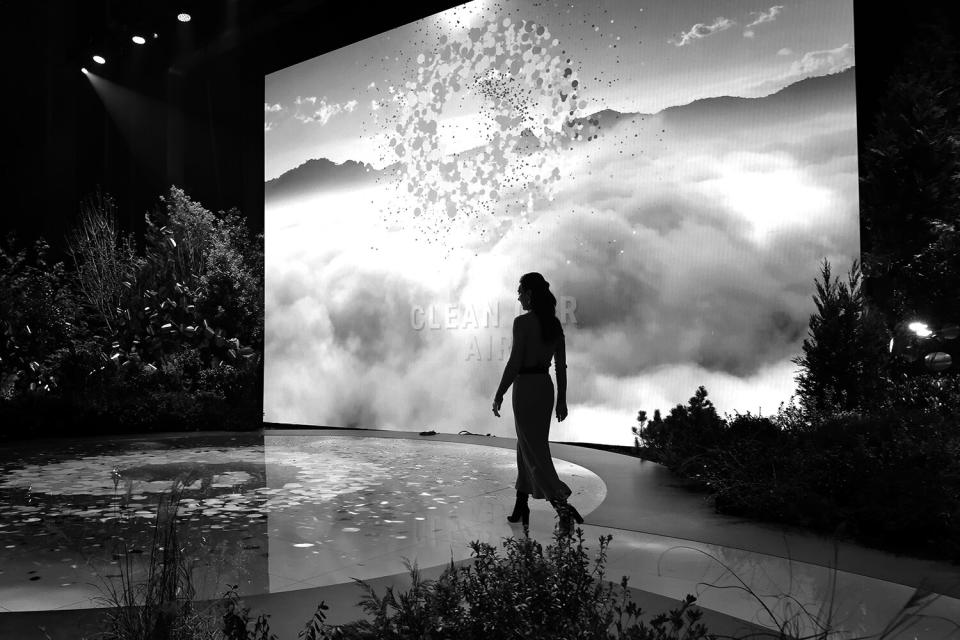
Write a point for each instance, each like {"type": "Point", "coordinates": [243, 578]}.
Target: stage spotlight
{"type": "Point", "coordinates": [183, 17]}
{"type": "Point", "coordinates": [99, 59]}
{"type": "Point", "coordinates": [139, 39]}
{"type": "Point", "coordinates": [84, 71]}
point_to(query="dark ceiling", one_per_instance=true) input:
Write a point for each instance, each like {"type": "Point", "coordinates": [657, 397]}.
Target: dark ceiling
{"type": "Point", "coordinates": [266, 35]}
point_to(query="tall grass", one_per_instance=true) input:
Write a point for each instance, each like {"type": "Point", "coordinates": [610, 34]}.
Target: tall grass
{"type": "Point", "coordinates": [806, 621]}
{"type": "Point", "coordinates": [162, 606]}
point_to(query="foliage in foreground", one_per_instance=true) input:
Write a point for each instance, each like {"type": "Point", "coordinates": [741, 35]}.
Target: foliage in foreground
{"type": "Point", "coordinates": [528, 593]}
{"type": "Point", "coordinates": [162, 607]}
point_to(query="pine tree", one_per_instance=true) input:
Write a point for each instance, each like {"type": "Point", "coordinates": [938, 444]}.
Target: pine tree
{"type": "Point", "coordinates": [844, 358]}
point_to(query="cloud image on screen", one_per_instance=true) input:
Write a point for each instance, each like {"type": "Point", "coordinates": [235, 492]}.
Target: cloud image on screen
{"type": "Point", "coordinates": [676, 170]}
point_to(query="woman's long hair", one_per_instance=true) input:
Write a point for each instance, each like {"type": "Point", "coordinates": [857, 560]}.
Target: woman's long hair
{"type": "Point", "coordinates": [544, 305]}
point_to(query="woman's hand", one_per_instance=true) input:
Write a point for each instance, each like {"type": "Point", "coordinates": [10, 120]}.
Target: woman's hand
{"type": "Point", "coordinates": [561, 410]}
{"type": "Point", "coordinates": [497, 401]}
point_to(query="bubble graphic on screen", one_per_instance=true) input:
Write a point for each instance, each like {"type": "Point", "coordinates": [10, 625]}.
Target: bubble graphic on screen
{"type": "Point", "coordinates": [530, 100]}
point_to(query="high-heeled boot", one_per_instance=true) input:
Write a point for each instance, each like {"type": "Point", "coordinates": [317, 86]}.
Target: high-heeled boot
{"type": "Point", "coordinates": [520, 509]}
{"type": "Point", "coordinates": [568, 514]}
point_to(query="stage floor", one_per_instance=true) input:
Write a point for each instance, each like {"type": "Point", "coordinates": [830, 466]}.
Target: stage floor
{"type": "Point", "coordinates": [292, 516]}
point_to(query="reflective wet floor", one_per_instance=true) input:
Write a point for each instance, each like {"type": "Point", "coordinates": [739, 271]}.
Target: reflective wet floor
{"type": "Point", "coordinates": [281, 514]}
{"type": "Point", "coordinates": [268, 513]}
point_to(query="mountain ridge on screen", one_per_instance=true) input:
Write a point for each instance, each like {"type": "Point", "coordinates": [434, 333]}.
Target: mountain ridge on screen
{"type": "Point", "coordinates": [706, 117]}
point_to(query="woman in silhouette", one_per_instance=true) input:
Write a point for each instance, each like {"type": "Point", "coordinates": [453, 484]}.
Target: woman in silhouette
{"type": "Point", "coordinates": [537, 337]}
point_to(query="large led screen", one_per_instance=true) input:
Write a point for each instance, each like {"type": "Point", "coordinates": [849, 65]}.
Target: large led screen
{"type": "Point", "coordinates": [676, 169]}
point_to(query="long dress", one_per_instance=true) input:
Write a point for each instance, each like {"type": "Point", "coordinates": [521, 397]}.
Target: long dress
{"type": "Point", "coordinates": [533, 403]}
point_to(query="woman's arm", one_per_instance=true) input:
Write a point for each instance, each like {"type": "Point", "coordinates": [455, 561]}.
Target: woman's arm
{"type": "Point", "coordinates": [512, 368]}
{"type": "Point", "coordinates": [560, 366]}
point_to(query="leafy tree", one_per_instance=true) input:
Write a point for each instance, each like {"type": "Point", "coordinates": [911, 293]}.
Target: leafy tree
{"type": "Point", "coordinates": [214, 256]}
{"type": "Point", "coordinates": [197, 289]}
{"type": "Point", "coordinates": [231, 287]}
{"type": "Point", "coordinates": [39, 319]}
{"type": "Point", "coordinates": [124, 340]}
{"type": "Point", "coordinates": [844, 358]}
{"type": "Point", "coordinates": [910, 186]}
{"type": "Point", "coordinates": [103, 258]}
{"type": "Point", "coordinates": [191, 229]}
